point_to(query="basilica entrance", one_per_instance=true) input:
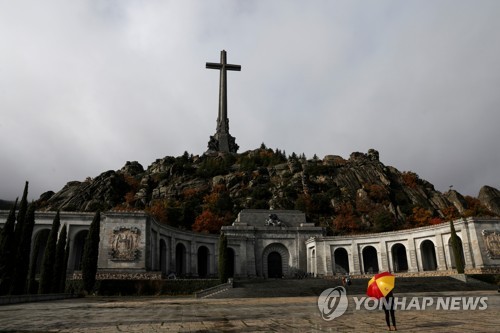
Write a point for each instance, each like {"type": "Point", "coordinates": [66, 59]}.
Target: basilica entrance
{"type": "Point", "coordinates": [275, 261]}
{"type": "Point", "coordinates": [274, 265]}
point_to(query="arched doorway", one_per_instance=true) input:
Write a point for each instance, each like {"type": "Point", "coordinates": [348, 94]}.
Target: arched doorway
{"type": "Point", "coordinates": [460, 251]}
{"type": "Point", "coordinates": [163, 257]}
{"type": "Point", "coordinates": [180, 259]}
{"type": "Point", "coordinates": [203, 261]}
{"type": "Point", "coordinates": [78, 246]}
{"type": "Point", "coordinates": [399, 258]}
{"type": "Point", "coordinates": [341, 261]}
{"type": "Point", "coordinates": [370, 260]}
{"type": "Point", "coordinates": [428, 253]}
{"type": "Point", "coordinates": [230, 262]}
{"type": "Point", "coordinates": [274, 264]}
{"type": "Point", "coordinates": [275, 261]}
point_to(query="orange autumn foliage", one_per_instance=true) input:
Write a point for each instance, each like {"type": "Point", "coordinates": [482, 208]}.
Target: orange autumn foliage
{"type": "Point", "coordinates": [208, 222]}
{"type": "Point", "coordinates": [345, 219]}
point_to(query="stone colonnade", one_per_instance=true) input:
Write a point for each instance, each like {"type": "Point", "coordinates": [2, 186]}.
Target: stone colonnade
{"type": "Point", "coordinates": [267, 243]}
{"type": "Point", "coordinates": [413, 250]}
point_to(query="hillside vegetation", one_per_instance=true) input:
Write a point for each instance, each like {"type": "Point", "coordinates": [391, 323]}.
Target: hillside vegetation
{"type": "Point", "coordinates": [203, 193]}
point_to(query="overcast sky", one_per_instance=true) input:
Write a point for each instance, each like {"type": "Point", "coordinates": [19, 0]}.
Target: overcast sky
{"type": "Point", "coordinates": [87, 85]}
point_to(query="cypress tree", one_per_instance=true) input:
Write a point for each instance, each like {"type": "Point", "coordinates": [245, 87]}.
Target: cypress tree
{"type": "Point", "coordinates": [47, 273]}
{"type": "Point", "coordinates": [62, 282]}
{"type": "Point", "coordinates": [223, 263]}
{"type": "Point", "coordinates": [459, 264]}
{"type": "Point", "coordinates": [20, 279]}
{"type": "Point", "coordinates": [90, 254]}
{"type": "Point", "coordinates": [7, 251]}
{"type": "Point", "coordinates": [21, 216]}
{"type": "Point", "coordinates": [39, 241]}
{"type": "Point", "coordinates": [59, 261]}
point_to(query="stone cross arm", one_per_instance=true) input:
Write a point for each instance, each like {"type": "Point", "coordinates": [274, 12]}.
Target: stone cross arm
{"type": "Point", "coordinates": [229, 67]}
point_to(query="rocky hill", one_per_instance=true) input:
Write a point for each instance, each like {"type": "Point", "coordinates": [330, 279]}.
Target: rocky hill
{"type": "Point", "coordinates": [359, 194]}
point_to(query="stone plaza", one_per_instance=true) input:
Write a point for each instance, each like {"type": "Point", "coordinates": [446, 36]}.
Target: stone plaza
{"type": "Point", "coordinates": [281, 314]}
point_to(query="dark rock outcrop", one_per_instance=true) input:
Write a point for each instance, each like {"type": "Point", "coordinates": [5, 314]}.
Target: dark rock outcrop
{"type": "Point", "coordinates": [490, 197]}
{"type": "Point", "coordinates": [101, 193]}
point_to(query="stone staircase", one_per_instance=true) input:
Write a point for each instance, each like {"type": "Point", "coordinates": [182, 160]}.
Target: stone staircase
{"type": "Point", "coordinates": [314, 286]}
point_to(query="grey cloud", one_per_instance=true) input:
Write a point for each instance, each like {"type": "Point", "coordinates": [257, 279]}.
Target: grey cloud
{"type": "Point", "coordinates": [87, 85]}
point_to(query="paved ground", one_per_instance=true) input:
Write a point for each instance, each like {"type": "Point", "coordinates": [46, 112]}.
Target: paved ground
{"type": "Point", "coordinates": [281, 314]}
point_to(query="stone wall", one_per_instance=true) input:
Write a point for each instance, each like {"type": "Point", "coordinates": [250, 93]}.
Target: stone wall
{"type": "Point", "coordinates": [123, 243]}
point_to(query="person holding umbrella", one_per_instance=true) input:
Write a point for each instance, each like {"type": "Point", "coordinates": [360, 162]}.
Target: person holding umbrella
{"type": "Point", "coordinates": [388, 306]}
{"type": "Point", "coordinates": [380, 287]}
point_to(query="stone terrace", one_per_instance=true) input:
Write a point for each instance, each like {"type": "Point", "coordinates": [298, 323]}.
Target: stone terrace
{"type": "Point", "coordinates": [313, 287]}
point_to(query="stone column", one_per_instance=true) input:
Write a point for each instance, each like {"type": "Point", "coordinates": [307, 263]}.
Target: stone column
{"type": "Point", "coordinates": [328, 258]}
{"type": "Point", "coordinates": [192, 257]}
{"type": "Point", "coordinates": [390, 261]}
{"type": "Point", "coordinates": [319, 270]}
{"type": "Point", "coordinates": [251, 269]}
{"type": "Point", "coordinates": [241, 258]}
{"type": "Point", "coordinates": [384, 266]}
{"type": "Point", "coordinates": [257, 257]}
{"type": "Point", "coordinates": [466, 244]}
{"type": "Point", "coordinates": [441, 261]}
{"type": "Point", "coordinates": [411, 254]}
{"type": "Point", "coordinates": [171, 253]}
{"type": "Point", "coordinates": [154, 249]}
{"type": "Point", "coordinates": [354, 261]}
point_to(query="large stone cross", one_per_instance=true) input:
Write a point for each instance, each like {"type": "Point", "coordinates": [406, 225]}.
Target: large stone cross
{"type": "Point", "coordinates": [223, 141]}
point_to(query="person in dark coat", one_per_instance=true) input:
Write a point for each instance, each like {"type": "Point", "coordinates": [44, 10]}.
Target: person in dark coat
{"type": "Point", "coordinates": [388, 305]}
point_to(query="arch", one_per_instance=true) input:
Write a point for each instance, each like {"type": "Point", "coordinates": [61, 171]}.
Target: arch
{"type": "Point", "coordinates": [180, 259]}
{"type": "Point", "coordinates": [340, 261]}
{"type": "Point", "coordinates": [399, 258]}
{"type": "Point", "coordinates": [460, 251]}
{"type": "Point", "coordinates": [230, 262]}
{"type": "Point", "coordinates": [428, 253]}
{"type": "Point", "coordinates": [38, 252]}
{"type": "Point", "coordinates": [282, 251]}
{"type": "Point", "coordinates": [203, 261]}
{"type": "Point", "coordinates": [370, 260]}
{"type": "Point", "coordinates": [78, 246]}
{"type": "Point", "coordinates": [163, 257]}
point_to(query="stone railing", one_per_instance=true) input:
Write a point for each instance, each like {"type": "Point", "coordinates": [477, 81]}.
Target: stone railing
{"type": "Point", "coordinates": [215, 290]}
{"type": "Point", "coordinates": [421, 274]}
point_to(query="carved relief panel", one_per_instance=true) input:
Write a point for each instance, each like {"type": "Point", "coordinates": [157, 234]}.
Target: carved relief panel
{"type": "Point", "coordinates": [124, 243]}
{"type": "Point", "coordinates": [492, 241]}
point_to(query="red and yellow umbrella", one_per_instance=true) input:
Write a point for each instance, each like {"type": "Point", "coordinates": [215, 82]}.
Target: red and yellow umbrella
{"type": "Point", "coordinates": [380, 285]}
